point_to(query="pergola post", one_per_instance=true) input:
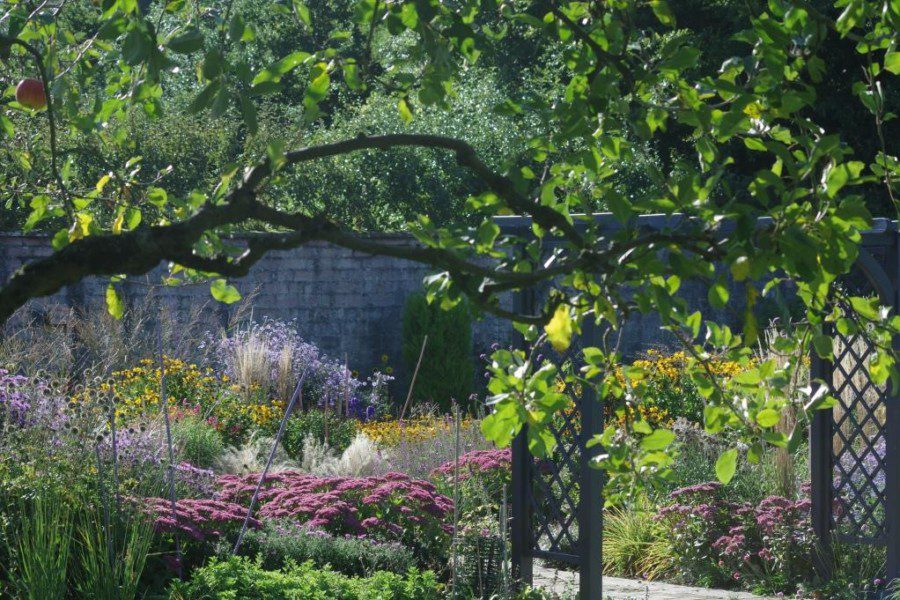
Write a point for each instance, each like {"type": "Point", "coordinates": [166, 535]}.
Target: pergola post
{"type": "Point", "coordinates": [892, 437]}
{"type": "Point", "coordinates": [590, 502]}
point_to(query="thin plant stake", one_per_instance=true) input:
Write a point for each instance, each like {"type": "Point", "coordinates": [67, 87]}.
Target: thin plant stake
{"type": "Point", "coordinates": [262, 477]}
{"type": "Point", "coordinates": [504, 523]}
{"type": "Point", "coordinates": [455, 497]}
{"type": "Point", "coordinates": [107, 525]}
{"type": "Point", "coordinates": [412, 382]}
{"type": "Point", "coordinates": [115, 454]}
{"type": "Point", "coordinates": [327, 401]}
{"type": "Point", "coordinates": [346, 386]}
{"type": "Point", "coordinates": [164, 407]}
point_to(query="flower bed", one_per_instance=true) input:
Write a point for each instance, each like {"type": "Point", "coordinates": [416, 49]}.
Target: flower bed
{"type": "Point", "coordinates": [718, 542]}
{"type": "Point", "coordinates": [393, 507]}
{"type": "Point", "coordinates": [199, 519]}
{"type": "Point", "coordinates": [478, 462]}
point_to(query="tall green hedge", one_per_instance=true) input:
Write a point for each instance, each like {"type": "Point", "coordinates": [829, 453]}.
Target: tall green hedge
{"type": "Point", "coordinates": [448, 368]}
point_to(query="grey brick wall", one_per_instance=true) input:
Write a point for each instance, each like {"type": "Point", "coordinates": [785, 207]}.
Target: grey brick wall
{"type": "Point", "coordinates": [347, 302]}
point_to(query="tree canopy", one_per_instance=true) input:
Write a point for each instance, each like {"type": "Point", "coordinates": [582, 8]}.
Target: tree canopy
{"type": "Point", "coordinates": [171, 125]}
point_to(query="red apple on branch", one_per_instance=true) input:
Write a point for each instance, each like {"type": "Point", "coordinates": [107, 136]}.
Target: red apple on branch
{"type": "Point", "coordinates": [30, 93]}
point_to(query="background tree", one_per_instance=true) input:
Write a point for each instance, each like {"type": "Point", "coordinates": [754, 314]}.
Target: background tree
{"type": "Point", "coordinates": [585, 107]}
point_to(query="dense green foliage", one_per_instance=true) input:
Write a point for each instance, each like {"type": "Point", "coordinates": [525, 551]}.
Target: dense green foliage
{"type": "Point", "coordinates": [242, 578]}
{"type": "Point", "coordinates": [322, 427]}
{"type": "Point", "coordinates": [383, 191]}
{"type": "Point", "coordinates": [447, 370]}
{"type": "Point", "coordinates": [198, 442]}
{"type": "Point", "coordinates": [278, 545]}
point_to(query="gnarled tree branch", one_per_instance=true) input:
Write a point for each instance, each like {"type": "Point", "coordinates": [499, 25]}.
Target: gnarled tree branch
{"type": "Point", "coordinates": [137, 252]}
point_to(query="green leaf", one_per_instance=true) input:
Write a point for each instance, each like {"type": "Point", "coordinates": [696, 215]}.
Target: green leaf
{"type": "Point", "coordinates": [541, 441]}
{"type": "Point", "coordinates": [38, 212]}
{"type": "Point", "coordinates": [248, 111]}
{"type": "Point", "coordinates": [892, 62]}
{"type": "Point", "coordinates": [486, 234]}
{"type": "Point", "coordinates": [223, 292]}
{"type": "Point", "coordinates": [405, 112]}
{"type": "Point", "coordinates": [560, 329]}
{"type": "Point", "coordinates": [726, 466]}
{"type": "Point", "coordinates": [694, 321]}
{"type": "Point", "coordinates": [275, 71]}
{"type": "Point", "coordinates": [157, 197]}
{"type": "Point", "coordinates": [318, 85]}
{"type": "Point", "coordinates": [866, 307]}
{"type": "Point", "coordinates": [114, 303]}
{"type": "Point", "coordinates": [186, 43]}
{"type": "Point", "coordinates": [409, 16]}
{"type": "Point", "coordinates": [681, 59]}
{"type": "Point", "coordinates": [658, 440]}
{"type": "Point", "coordinates": [204, 98]}
{"type": "Point", "coordinates": [60, 239]}
{"type": "Point", "coordinates": [135, 47]}
{"type": "Point", "coordinates": [302, 12]}
{"type": "Point", "coordinates": [824, 346]}
{"type": "Point", "coordinates": [718, 295]}
{"type": "Point", "coordinates": [768, 417]}
{"type": "Point", "coordinates": [836, 177]}
{"type": "Point", "coordinates": [663, 12]}
{"type": "Point", "coordinates": [740, 268]}
{"type": "Point", "coordinates": [236, 28]}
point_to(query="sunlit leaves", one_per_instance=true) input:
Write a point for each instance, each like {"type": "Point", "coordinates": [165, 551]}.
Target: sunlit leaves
{"type": "Point", "coordinates": [589, 135]}
{"type": "Point", "coordinates": [114, 303]}
{"type": "Point", "coordinates": [726, 465]}
{"type": "Point", "coordinates": [222, 291]}
{"type": "Point", "coordinates": [892, 62]}
{"type": "Point", "coordinates": [560, 328]}
{"type": "Point", "coordinates": [274, 72]}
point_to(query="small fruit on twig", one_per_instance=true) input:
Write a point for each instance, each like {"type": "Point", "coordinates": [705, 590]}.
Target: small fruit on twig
{"type": "Point", "coordinates": [30, 93]}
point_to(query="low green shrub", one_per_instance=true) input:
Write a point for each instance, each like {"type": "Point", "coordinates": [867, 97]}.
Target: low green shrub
{"type": "Point", "coordinates": [341, 432]}
{"type": "Point", "coordinates": [198, 442]}
{"type": "Point", "coordinates": [240, 577]}
{"type": "Point", "coordinates": [280, 544]}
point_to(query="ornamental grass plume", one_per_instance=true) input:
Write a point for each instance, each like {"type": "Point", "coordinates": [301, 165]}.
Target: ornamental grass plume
{"type": "Point", "coordinates": [251, 364]}
{"type": "Point", "coordinates": [362, 458]}
{"type": "Point", "coordinates": [318, 457]}
{"type": "Point", "coordinates": [250, 457]}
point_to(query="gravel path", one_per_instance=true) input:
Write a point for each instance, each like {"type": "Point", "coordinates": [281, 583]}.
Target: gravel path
{"type": "Point", "coordinates": [565, 583]}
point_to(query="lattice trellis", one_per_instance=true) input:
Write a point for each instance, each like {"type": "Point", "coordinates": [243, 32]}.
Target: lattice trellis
{"type": "Point", "coordinates": [858, 445]}
{"type": "Point", "coordinates": [555, 486]}
{"type": "Point", "coordinates": [855, 482]}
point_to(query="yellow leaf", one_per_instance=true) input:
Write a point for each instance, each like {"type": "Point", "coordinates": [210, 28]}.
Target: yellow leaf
{"type": "Point", "coordinates": [559, 329]}
{"type": "Point", "coordinates": [119, 221]}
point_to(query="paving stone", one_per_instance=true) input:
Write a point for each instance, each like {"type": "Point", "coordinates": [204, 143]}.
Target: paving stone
{"type": "Point", "coordinates": [565, 583]}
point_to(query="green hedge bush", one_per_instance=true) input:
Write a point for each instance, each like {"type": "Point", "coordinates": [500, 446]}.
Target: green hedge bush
{"type": "Point", "coordinates": [447, 369]}
{"type": "Point", "coordinates": [240, 577]}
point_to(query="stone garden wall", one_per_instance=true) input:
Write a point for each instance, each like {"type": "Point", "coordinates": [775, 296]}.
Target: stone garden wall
{"type": "Point", "coordinates": [347, 302]}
